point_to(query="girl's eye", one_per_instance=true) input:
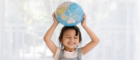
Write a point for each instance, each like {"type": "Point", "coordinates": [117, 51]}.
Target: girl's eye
{"type": "Point", "coordinates": [67, 37]}
{"type": "Point", "coordinates": [75, 37]}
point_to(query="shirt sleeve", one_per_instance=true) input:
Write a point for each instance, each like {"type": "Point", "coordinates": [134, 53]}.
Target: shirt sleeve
{"type": "Point", "coordinates": [56, 56]}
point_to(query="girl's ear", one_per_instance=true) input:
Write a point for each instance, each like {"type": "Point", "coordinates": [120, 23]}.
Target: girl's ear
{"type": "Point", "coordinates": [60, 40]}
{"type": "Point", "coordinates": [79, 41]}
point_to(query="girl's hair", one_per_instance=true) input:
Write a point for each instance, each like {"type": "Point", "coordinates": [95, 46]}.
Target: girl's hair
{"type": "Point", "coordinates": [66, 28]}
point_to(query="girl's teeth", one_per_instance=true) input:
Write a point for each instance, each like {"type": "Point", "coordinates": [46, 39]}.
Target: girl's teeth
{"type": "Point", "coordinates": [71, 43]}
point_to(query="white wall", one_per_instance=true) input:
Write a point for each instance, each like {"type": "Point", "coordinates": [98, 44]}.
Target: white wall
{"type": "Point", "coordinates": [1, 27]}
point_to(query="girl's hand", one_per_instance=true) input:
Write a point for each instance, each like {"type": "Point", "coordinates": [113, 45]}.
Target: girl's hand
{"type": "Point", "coordinates": [83, 23]}
{"type": "Point", "coordinates": [54, 19]}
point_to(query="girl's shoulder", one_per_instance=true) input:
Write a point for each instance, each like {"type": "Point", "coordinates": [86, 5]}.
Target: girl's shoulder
{"type": "Point", "coordinates": [57, 53]}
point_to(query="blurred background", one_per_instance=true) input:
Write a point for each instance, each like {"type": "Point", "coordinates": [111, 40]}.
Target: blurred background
{"type": "Point", "coordinates": [23, 24]}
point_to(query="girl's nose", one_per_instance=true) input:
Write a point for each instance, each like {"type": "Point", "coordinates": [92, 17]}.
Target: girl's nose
{"type": "Point", "coordinates": [72, 39]}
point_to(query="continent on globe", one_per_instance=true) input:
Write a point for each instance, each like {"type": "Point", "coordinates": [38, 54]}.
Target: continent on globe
{"type": "Point", "coordinates": [69, 13]}
{"type": "Point", "coordinates": [62, 8]}
{"type": "Point", "coordinates": [71, 21]}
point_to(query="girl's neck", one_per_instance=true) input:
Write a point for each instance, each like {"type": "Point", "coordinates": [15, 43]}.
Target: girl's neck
{"type": "Point", "coordinates": [69, 49]}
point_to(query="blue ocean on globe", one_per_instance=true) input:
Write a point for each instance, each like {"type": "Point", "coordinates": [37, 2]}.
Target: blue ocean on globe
{"type": "Point", "coordinates": [69, 13]}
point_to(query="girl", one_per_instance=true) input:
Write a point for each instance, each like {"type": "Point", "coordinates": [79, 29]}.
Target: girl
{"type": "Point", "coordinates": [70, 37]}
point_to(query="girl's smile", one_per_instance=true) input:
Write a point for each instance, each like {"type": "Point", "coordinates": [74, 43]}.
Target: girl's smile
{"type": "Point", "coordinates": [70, 43]}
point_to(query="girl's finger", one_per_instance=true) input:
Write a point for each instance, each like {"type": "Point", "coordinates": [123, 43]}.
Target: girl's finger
{"type": "Point", "coordinates": [85, 14]}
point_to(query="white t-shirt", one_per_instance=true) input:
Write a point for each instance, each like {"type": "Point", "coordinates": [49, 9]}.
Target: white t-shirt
{"type": "Point", "coordinates": [66, 54]}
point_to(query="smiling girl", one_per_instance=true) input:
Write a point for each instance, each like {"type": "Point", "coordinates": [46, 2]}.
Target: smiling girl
{"type": "Point", "coordinates": [70, 38]}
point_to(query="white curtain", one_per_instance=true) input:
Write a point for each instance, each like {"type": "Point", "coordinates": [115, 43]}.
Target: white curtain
{"type": "Point", "coordinates": [23, 24]}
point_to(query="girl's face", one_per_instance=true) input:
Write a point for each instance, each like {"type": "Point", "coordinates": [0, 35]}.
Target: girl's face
{"type": "Point", "coordinates": [69, 39]}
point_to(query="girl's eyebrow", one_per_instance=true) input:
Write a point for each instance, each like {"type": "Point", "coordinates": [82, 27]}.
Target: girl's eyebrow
{"type": "Point", "coordinates": [67, 35]}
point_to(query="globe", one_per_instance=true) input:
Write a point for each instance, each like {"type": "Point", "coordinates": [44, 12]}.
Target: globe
{"type": "Point", "coordinates": [69, 13]}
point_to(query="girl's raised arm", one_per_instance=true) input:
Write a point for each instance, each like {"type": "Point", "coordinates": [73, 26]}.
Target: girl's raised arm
{"type": "Point", "coordinates": [48, 35]}
{"type": "Point", "coordinates": [94, 39]}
